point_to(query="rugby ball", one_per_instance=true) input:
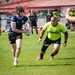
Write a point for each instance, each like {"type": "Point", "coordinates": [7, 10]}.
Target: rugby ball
{"type": "Point", "coordinates": [27, 27]}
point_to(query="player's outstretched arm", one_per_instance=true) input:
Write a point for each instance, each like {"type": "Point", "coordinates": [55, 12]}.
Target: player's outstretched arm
{"type": "Point", "coordinates": [41, 35]}
{"type": "Point", "coordinates": [68, 17]}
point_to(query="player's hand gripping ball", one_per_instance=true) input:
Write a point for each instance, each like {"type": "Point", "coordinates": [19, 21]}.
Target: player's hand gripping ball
{"type": "Point", "coordinates": [27, 27]}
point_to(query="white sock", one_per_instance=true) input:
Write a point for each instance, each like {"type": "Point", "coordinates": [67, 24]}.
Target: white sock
{"type": "Point", "coordinates": [15, 58]}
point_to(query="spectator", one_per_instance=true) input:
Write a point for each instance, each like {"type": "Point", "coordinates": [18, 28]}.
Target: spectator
{"type": "Point", "coordinates": [48, 16]}
{"type": "Point", "coordinates": [33, 18]}
{"type": "Point", "coordinates": [67, 25]}
{"type": "Point", "coordinates": [56, 14]}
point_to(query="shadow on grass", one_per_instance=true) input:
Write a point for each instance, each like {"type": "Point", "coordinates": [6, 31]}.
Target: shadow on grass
{"type": "Point", "coordinates": [66, 58]}
{"type": "Point", "coordinates": [39, 65]}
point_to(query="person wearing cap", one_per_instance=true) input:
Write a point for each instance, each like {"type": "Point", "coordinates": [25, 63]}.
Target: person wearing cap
{"type": "Point", "coordinates": [15, 32]}
{"type": "Point", "coordinates": [56, 14]}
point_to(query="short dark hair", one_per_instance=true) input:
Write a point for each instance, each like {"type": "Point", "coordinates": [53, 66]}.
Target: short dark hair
{"type": "Point", "coordinates": [19, 9]}
{"type": "Point", "coordinates": [55, 9]}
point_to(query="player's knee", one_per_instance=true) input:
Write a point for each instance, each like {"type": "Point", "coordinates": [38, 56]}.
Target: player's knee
{"type": "Point", "coordinates": [18, 48]}
{"type": "Point", "coordinates": [44, 47]}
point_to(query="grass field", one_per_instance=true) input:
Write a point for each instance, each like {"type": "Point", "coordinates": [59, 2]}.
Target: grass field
{"type": "Point", "coordinates": [63, 64]}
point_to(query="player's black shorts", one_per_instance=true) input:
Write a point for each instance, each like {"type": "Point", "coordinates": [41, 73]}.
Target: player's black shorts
{"type": "Point", "coordinates": [14, 37]}
{"type": "Point", "coordinates": [48, 41]}
{"type": "Point", "coordinates": [33, 23]}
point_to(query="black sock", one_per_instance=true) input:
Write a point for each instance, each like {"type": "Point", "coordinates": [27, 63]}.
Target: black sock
{"type": "Point", "coordinates": [72, 30]}
{"type": "Point", "coordinates": [41, 55]}
{"type": "Point", "coordinates": [52, 54]}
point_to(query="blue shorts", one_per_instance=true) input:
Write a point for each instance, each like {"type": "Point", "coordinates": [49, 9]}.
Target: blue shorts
{"type": "Point", "coordinates": [14, 37]}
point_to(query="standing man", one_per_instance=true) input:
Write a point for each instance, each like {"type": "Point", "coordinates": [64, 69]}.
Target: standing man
{"type": "Point", "coordinates": [15, 32]}
{"type": "Point", "coordinates": [33, 18]}
{"type": "Point", "coordinates": [48, 16]}
{"type": "Point", "coordinates": [54, 29]}
{"type": "Point", "coordinates": [56, 14]}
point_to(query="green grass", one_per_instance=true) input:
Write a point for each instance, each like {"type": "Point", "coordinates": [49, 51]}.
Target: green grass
{"type": "Point", "coordinates": [63, 64]}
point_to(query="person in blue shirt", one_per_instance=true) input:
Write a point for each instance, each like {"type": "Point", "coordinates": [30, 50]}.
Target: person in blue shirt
{"type": "Point", "coordinates": [15, 32]}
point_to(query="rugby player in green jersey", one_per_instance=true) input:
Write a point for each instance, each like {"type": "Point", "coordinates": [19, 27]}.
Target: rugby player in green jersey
{"type": "Point", "coordinates": [54, 29]}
